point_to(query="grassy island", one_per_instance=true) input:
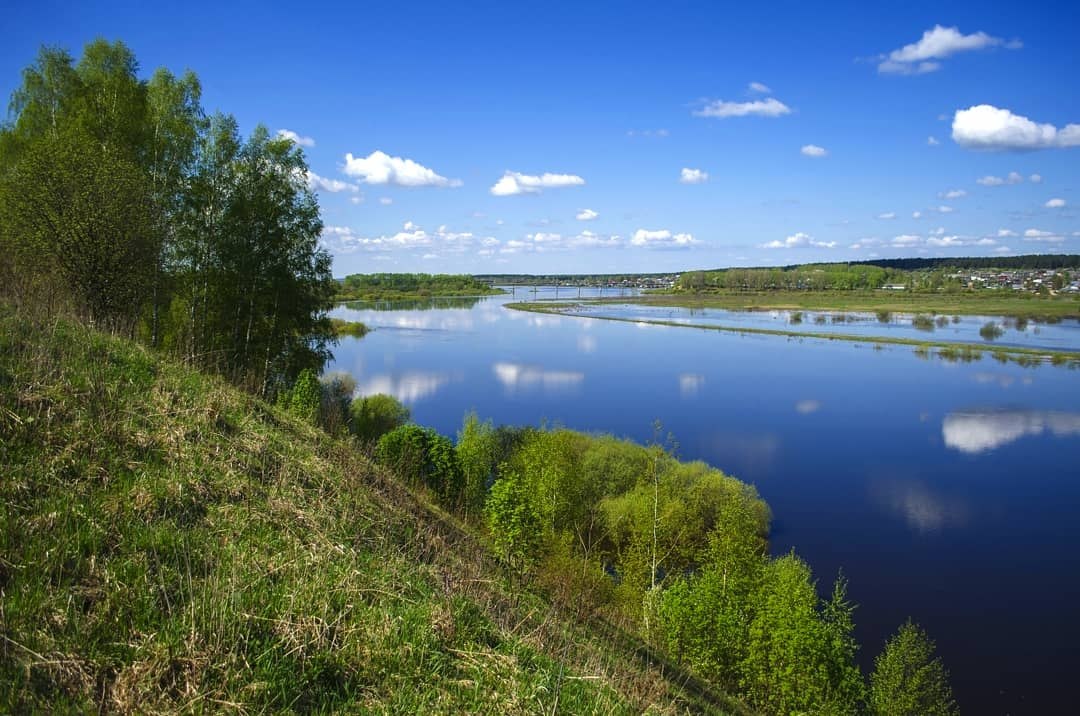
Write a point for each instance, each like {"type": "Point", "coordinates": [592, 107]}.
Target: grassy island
{"type": "Point", "coordinates": [404, 286]}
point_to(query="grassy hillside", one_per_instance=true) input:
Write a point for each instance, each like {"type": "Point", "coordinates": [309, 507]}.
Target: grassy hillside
{"type": "Point", "coordinates": [168, 543]}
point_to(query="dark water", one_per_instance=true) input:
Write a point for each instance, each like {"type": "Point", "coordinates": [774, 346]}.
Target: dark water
{"type": "Point", "coordinates": [947, 492]}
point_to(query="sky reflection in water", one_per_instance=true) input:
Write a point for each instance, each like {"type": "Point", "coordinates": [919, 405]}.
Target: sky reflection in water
{"type": "Point", "coordinates": [935, 486]}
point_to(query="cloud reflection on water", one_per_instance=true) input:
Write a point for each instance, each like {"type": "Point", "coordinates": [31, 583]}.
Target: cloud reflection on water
{"type": "Point", "coordinates": [974, 432]}
{"type": "Point", "coordinates": [516, 375]}
{"type": "Point", "coordinates": [923, 510]}
{"type": "Point", "coordinates": [586, 343]}
{"type": "Point", "coordinates": [407, 387]}
{"type": "Point", "coordinates": [690, 384]}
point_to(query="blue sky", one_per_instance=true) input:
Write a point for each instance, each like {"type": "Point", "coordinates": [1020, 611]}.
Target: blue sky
{"type": "Point", "coordinates": [685, 135]}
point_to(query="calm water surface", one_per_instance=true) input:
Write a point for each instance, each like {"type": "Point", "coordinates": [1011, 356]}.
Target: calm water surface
{"type": "Point", "coordinates": [946, 492]}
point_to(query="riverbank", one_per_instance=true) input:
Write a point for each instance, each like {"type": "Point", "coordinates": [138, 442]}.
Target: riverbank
{"type": "Point", "coordinates": [411, 286]}
{"type": "Point", "coordinates": [971, 303]}
{"type": "Point", "coordinates": [946, 350]}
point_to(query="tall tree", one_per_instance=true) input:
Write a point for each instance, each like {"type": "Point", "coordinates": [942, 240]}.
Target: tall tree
{"type": "Point", "coordinates": [83, 210]}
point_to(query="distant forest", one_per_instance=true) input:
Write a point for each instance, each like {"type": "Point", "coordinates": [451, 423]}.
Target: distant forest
{"type": "Point", "coordinates": [387, 286]}
{"type": "Point", "coordinates": [1031, 261]}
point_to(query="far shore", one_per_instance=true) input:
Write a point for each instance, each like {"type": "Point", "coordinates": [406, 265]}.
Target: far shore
{"type": "Point", "coordinates": [991, 303]}
{"type": "Point", "coordinates": [946, 350]}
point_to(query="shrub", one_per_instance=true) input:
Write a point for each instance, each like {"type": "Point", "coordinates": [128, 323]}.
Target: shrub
{"type": "Point", "coordinates": [991, 331]}
{"type": "Point", "coordinates": [305, 397]}
{"type": "Point", "coordinates": [336, 391]}
{"type": "Point", "coordinates": [422, 457]}
{"type": "Point", "coordinates": [373, 416]}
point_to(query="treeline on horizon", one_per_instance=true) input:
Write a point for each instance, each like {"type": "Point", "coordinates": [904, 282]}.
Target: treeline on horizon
{"type": "Point", "coordinates": [1028, 261]}
{"type": "Point", "coordinates": [390, 286]}
{"type": "Point", "coordinates": [850, 276]}
{"type": "Point", "coordinates": [584, 278]}
{"type": "Point", "coordinates": [124, 202]}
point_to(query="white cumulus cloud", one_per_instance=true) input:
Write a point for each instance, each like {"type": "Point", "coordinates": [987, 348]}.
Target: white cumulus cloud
{"type": "Point", "coordinates": [932, 141]}
{"type": "Point", "coordinates": [693, 176]}
{"type": "Point", "coordinates": [381, 168]}
{"type": "Point", "coordinates": [813, 150]}
{"type": "Point", "coordinates": [759, 88]}
{"type": "Point", "coordinates": [887, 215]}
{"type": "Point", "coordinates": [720, 109]}
{"type": "Point", "coordinates": [905, 240]}
{"type": "Point", "coordinates": [936, 44]}
{"type": "Point", "coordinates": [662, 239]}
{"type": "Point", "coordinates": [1055, 204]}
{"type": "Point", "coordinates": [1035, 178]}
{"type": "Point", "coordinates": [513, 183]}
{"type": "Point", "coordinates": [296, 138]}
{"type": "Point", "coordinates": [987, 127]}
{"type": "Point", "coordinates": [799, 241]}
{"type": "Point", "coordinates": [333, 186]}
{"type": "Point", "coordinates": [952, 194]}
{"type": "Point", "coordinates": [991, 180]}
{"type": "Point", "coordinates": [586, 215]}
{"type": "Point", "coordinates": [1043, 236]}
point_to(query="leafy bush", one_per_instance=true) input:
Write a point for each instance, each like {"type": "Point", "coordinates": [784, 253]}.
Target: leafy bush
{"type": "Point", "coordinates": [373, 416]}
{"type": "Point", "coordinates": [305, 397]}
{"type": "Point", "coordinates": [422, 457]}
{"type": "Point", "coordinates": [336, 391]}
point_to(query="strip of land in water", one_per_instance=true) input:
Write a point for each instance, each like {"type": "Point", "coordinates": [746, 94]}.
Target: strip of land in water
{"type": "Point", "coordinates": [946, 350]}
{"type": "Point", "coordinates": [984, 302]}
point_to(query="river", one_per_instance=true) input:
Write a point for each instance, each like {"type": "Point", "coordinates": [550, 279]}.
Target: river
{"type": "Point", "coordinates": [946, 491]}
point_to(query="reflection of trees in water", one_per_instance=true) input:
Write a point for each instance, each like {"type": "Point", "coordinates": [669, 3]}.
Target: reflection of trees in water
{"type": "Point", "coordinates": [417, 304]}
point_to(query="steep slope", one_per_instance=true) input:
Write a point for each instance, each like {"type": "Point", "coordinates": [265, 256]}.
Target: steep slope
{"type": "Point", "coordinates": [168, 543]}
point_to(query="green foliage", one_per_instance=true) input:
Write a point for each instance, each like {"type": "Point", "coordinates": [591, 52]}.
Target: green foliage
{"type": "Point", "coordinates": [476, 452]}
{"type": "Point", "coordinates": [119, 197]}
{"type": "Point", "coordinates": [908, 679]}
{"type": "Point", "coordinates": [799, 659]}
{"type": "Point", "coordinates": [305, 397]}
{"type": "Point", "coordinates": [422, 457]}
{"type": "Point", "coordinates": [391, 286]}
{"type": "Point", "coordinates": [706, 616]}
{"type": "Point", "coordinates": [82, 210]}
{"type": "Point", "coordinates": [356, 329]}
{"type": "Point", "coordinates": [372, 416]}
{"type": "Point", "coordinates": [512, 517]}
{"type": "Point", "coordinates": [336, 392]}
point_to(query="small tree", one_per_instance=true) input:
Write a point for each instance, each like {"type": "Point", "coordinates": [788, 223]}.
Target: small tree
{"type": "Point", "coordinates": [373, 416]}
{"type": "Point", "coordinates": [422, 456]}
{"type": "Point", "coordinates": [908, 679]}
{"type": "Point", "coordinates": [514, 520]}
{"type": "Point", "coordinates": [304, 398]}
{"type": "Point", "coordinates": [336, 394]}
{"type": "Point", "coordinates": [476, 455]}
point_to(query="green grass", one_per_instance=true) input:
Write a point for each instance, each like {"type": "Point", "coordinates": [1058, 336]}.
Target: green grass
{"type": "Point", "coordinates": [946, 350]}
{"type": "Point", "coordinates": [169, 544]}
{"type": "Point", "coordinates": [996, 303]}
